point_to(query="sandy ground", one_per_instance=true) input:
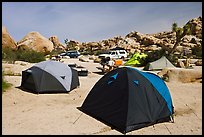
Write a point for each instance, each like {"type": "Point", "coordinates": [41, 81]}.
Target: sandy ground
{"type": "Point", "coordinates": [57, 114]}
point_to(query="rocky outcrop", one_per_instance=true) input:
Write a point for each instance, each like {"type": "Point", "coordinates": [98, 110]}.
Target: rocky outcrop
{"type": "Point", "coordinates": [132, 42]}
{"type": "Point", "coordinates": [196, 26]}
{"type": "Point", "coordinates": [7, 40]}
{"type": "Point", "coordinates": [72, 44]}
{"type": "Point", "coordinates": [56, 43]}
{"type": "Point", "coordinates": [37, 42]}
{"type": "Point", "coordinates": [181, 75]}
{"type": "Point", "coordinates": [198, 62]}
{"type": "Point", "coordinates": [137, 42]}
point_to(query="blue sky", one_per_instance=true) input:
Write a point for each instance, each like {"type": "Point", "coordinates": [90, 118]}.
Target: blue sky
{"type": "Point", "coordinates": [94, 21]}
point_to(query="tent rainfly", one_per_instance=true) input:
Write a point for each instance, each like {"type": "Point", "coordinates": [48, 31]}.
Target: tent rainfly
{"type": "Point", "coordinates": [159, 64]}
{"type": "Point", "coordinates": [49, 76]}
{"type": "Point", "coordinates": [128, 99]}
{"type": "Point", "coordinates": [136, 59]}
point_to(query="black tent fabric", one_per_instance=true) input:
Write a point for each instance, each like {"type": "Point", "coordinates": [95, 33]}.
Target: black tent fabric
{"type": "Point", "coordinates": [49, 77]}
{"type": "Point", "coordinates": [127, 99]}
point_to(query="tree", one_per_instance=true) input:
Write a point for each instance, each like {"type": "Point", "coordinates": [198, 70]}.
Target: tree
{"type": "Point", "coordinates": [180, 33]}
{"type": "Point", "coordinates": [66, 41]}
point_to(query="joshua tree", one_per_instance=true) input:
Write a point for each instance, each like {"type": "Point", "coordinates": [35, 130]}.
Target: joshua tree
{"type": "Point", "coordinates": [180, 33]}
{"type": "Point", "coordinates": [66, 41]}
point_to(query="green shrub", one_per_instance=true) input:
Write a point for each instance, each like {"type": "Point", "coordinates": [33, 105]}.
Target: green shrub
{"type": "Point", "coordinates": [197, 50]}
{"type": "Point", "coordinates": [55, 52]}
{"type": "Point", "coordinates": [30, 56]}
{"type": "Point", "coordinates": [88, 51]}
{"type": "Point", "coordinates": [172, 58]}
{"type": "Point", "coordinates": [98, 52]}
{"type": "Point", "coordinates": [22, 55]}
{"type": "Point", "coordinates": [5, 85]}
{"type": "Point", "coordinates": [9, 55]}
{"type": "Point", "coordinates": [153, 56]}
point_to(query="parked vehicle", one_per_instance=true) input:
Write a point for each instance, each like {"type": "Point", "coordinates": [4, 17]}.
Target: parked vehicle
{"type": "Point", "coordinates": [114, 54]}
{"type": "Point", "coordinates": [71, 54]}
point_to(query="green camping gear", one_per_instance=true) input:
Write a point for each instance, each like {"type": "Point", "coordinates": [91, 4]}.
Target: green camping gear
{"type": "Point", "coordinates": [136, 59]}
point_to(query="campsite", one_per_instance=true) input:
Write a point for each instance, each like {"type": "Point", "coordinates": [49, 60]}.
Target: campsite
{"type": "Point", "coordinates": [58, 113]}
{"type": "Point", "coordinates": [108, 68]}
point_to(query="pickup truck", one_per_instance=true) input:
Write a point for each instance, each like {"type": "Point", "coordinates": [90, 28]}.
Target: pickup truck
{"type": "Point", "coordinates": [114, 54]}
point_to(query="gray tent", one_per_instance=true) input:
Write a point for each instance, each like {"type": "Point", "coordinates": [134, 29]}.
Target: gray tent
{"type": "Point", "coordinates": [49, 76]}
{"type": "Point", "coordinates": [159, 64]}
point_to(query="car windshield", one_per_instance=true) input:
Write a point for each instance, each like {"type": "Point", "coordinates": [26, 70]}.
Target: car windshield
{"type": "Point", "coordinates": [113, 53]}
{"type": "Point", "coordinates": [122, 52]}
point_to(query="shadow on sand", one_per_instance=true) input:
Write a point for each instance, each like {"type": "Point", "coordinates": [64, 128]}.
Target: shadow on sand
{"type": "Point", "coordinates": [99, 73]}
{"type": "Point", "coordinates": [44, 92]}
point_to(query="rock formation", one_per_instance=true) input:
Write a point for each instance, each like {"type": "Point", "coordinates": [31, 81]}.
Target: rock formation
{"type": "Point", "coordinates": [37, 42]}
{"type": "Point", "coordinates": [196, 26]}
{"type": "Point", "coordinates": [7, 40]}
{"type": "Point", "coordinates": [181, 75]}
{"type": "Point", "coordinates": [57, 45]}
{"type": "Point", "coordinates": [132, 42]}
{"type": "Point", "coordinates": [137, 42]}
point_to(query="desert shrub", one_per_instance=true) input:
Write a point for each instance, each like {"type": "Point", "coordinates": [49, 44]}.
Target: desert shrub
{"type": "Point", "coordinates": [55, 52]}
{"type": "Point", "coordinates": [30, 56]}
{"type": "Point", "coordinates": [11, 73]}
{"type": "Point", "coordinates": [197, 50]}
{"type": "Point", "coordinates": [5, 84]}
{"type": "Point", "coordinates": [172, 58]}
{"type": "Point", "coordinates": [143, 62]}
{"type": "Point", "coordinates": [88, 51]}
{"type": "Point", "coordinates": [9, 55]}
{"type": "Point", "coordinates": [22, 55]}
{"type": "Point", "coordinates": [84, 53]}
{"type": "Point", "coordinates": [153, 56]}
{"type": "Point", "coordinates": [98, 52]}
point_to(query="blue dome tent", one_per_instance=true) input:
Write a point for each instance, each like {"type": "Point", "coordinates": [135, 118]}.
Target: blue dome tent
{"type": "Point", "coordinates": [128, 99]}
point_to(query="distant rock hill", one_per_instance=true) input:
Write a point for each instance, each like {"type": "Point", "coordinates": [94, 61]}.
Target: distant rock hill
{"type": "Point", "coordinates": [136, 41]}
{"type": "Point", "coordinates": [7, 40]}
{"type": "Point", "coordinates": [37, 42]}
{"type": "Point", "coordinates": [132, 42]}
{"type": "Point", "coordinates": [33, 40]}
